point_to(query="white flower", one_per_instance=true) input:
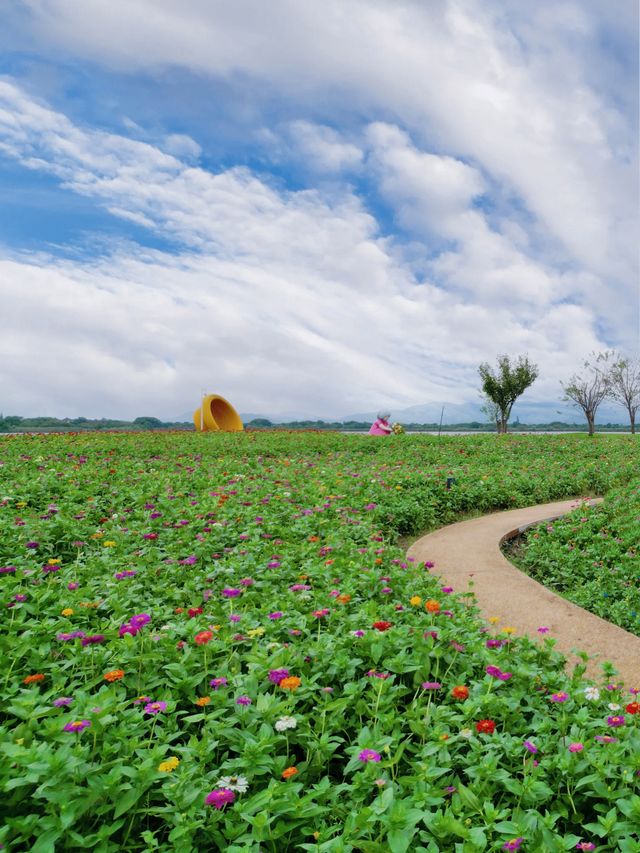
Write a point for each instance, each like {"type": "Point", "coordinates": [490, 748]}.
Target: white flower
{"type": "Point", "coordinates": [233, 783]}
{"type": "Point", "coordinates": [613, 706]}
{"type": "Point", "coordinates": [592, 693]}
{"type": "Point", "coordinates": [285, 723]}
{"type": "Point", "coordinates": [466, 733]}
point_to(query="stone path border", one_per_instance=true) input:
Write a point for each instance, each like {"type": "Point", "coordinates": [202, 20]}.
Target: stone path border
{"type": "Point", "coordinates": [470, 551]}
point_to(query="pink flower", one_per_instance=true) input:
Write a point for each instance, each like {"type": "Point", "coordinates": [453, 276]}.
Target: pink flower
{"type": "Point", "coordinates": [559, 697]}
{"type": "Point", "coordinates": [219, 798]}
{"type": "Point", "coordinates": [576, 747]}
{"type": "Point", "coordinates": [369, 755]}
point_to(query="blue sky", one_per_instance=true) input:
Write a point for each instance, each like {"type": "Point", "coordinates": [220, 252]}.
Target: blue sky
{"type": "Point", "coordinates": [317, 208]}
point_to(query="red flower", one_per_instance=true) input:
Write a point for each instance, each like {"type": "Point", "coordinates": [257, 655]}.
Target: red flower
{"type": "Point", "coordinates": [460, 692]}
{"type": "Point", "coordinates": [633, 708]}
{"type": "Point", "coordinates": [486, 727]}
{"type": "Point", "coordinates": [203, 638]}
{"type": "Point", "coordinates": [194, 611]}
{"type": "Point", "coordinates": [382, 626]}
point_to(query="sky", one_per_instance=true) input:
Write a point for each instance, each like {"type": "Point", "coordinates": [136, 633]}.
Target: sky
{"type": "Point", "coordinates": [311, 208]}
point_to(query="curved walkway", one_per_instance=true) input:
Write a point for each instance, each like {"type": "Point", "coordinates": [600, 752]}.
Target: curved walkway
{"type": "Point", "coordinates": [469, 551]}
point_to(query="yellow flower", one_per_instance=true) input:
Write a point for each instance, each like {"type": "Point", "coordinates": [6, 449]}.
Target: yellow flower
{"type": "Point", "coordinates": [168, 765]}
{"type": "Point", "coordinates": [53, 562]}
{"type": "Point", "coordinates": [97, 535]}
{"type": "Point", "coordinates": [68, 611]}
{"type": "Point", "coordinates": [415, 600]}
{"type": "Point", "coordinates": [255, 632]}
{"type": "Point", "coordinates": [21, 503]}
{"type": "Point", "coordinates": [494, 619]}
{"type": "Point", "coordinates": [108, 543]}
{"type": "Point", "coordinates": [509, 629]}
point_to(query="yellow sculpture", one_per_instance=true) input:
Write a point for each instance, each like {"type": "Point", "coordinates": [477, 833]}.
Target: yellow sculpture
{"type": "Point", "coordinates": [216, 415]}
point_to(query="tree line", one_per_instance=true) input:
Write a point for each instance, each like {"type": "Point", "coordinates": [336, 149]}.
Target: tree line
{"type": "Point", "coordinates": [604, 376]}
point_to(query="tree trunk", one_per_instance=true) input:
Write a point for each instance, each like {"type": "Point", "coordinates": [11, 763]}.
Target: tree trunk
{"type": "Point", "coordinates": [632, 420]}
{"type": "Point", "coordinates": [590, 421]}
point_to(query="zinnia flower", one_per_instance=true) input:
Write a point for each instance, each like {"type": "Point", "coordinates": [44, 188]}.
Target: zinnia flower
{"type": "Point", "coordinates": [243, 700]}
{"type": "Point", "coordinates": [292, 682]}
{"type": "Point", "coordinates": [203, 637]}
{"type": "Point", "coordinates": [576, 747]}
{"type": "Point", "coordinates": [276, 675]}
{"type": "Point", "coordinates": [289, 772]}
{"type": "Point", "coordinates": [369, 755]}
{"type": "Point", "coordinates": [62, 702]}
{"type": "Point", "coordinates": [382, 625]}
{"type": "Point", "coordinates": [633, 708]}
{"type": "Point", "coordinates": [432, 606]}
{"type": "Point", "coordinates": [513, 844]}
{"type": "Point", "coordinates": [31, 679]}
{"type": "Point", "coordinates": [155, 707]}
{"type": "Point", "coordinates": [169, 765]}
{"type": "Point", "coordinates": [431, 685]}
{"type": "Point", "coordinates": [218, 682]}
{"type": "Point", "coordinates": [617, 720]}
{"type": "Point", "coordinates": [203, 701]}
{"type": "Point", "coordinates": [114, 675]}
{"type": "Point", "coordinates": [219, 798]}
{"type": "Point", "coordinates": [77, 726]}
{"type": "Point", "coordinates": [234, 783]}
{"type": "Point", "coordinates": [585, 845]}
{"type": "Point", "coordinates": [559, 697]}
{"type": "Point", "coordinates": [460, 692]}
{"type": "Point", "coordinates": [486, 727]}
{"type": "Point", "coordinates": [285, 723]}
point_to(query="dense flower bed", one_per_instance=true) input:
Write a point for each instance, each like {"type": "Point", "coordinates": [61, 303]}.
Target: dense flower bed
{"type": "Point", "coordinates": [213, 643]}
{"type": "Point", "coordinates": [592, 557]}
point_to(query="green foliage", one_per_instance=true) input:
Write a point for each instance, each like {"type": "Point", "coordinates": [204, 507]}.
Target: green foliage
{"type": "Point", "coordinates": [100, 528]}
{"type": "Point", "coordinates": [503, 386]}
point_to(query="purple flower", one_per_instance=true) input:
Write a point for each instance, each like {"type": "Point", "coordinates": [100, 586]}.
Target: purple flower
{"type": "Point", "coordinates": [431, 685]}
{"type": "Point", "coordinates": [77, 726]}
{"type": "Point", "coordinates": [559, 697]}
{"type": "Point", "coordinates": [617, 720]}
{"type": "Point", "coordinates": [71, 635]}
{"type": "Point", "coordinates": [51, 568]}
{"type": "Point", "coordinates": [188, 561]}
{"type": "Point", "coordinates": [7, 570]}
{"type": "Point", "coordinates": [246, 582]}
{"type": "Point", "coordinates": [155, 707]}
{"type": "Point", "coordinates": [606, 739]}
{"type": "Point", "coordinates": [530, 747]}
{"type": "Point", "coordinates": [140, 620]}
{"type": "Point", "coordinates": [62, 702]}
{"type": "Point", "coordinates": [20, 597]}
{"type": "Point", "coordinates": [243, 700]}
{"type": "Point", "coordinates": [493, 671]}
{"type": "Point", "coordinates": [369, 755]}
{"type": "Point", "coordinates": [234, 617]}
{"type": "Point", "coordinates": [446, 589]}
{"type": "Point", "coordinates": [278, 614]}
{"type": "Point", "coordinates": [514, 844]}
{"type": "Point", "coordinates": [219, 798]}
{"type": "Point", "coordinates": [428, 564]}
{"type": "Point", "coordinates": [126, 574]}
{"type": "Point", "coordinates": [229, 592]}
{"type": "Point", "coordinates": [276, 675]}
{"type": "Point", "coordinates": [218, 682]}
{"type": "Point", "coordinates": [73, 585]}
{"type": "Point", "coordinates": [93, 639]}
{"type": "Point", "coordinates": [32, 545]}
{"type": "Point", "coordinates": [358, 633]}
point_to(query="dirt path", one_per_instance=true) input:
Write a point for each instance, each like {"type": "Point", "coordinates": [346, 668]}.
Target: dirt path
{"type": "Point", "coordinates": [470, 552]}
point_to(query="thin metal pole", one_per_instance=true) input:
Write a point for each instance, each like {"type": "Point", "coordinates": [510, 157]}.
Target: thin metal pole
{"type": "Point", "coordinates": [202, 412]}
{"type": "Point", "coordinates": [440, 424]}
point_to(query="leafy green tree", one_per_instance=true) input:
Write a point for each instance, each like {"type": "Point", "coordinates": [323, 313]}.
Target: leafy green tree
{"type": "Point", "coordinates": [504, 385]}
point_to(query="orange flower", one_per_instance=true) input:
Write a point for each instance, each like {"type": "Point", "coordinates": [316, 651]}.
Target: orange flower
{"type": "Point", "coordinates": [31, 678]}
{"type": "Point", "coordinates": [343, 598]}
{"type": "Point", "coordinates": [289, 772]}
{"type": "Point", "coordinates": [203, 638]}
{"type": "Point", "coordinates": [314, 539]}
{"type": "Point", "coordinates": [432, 605]}
{"type": "Point", "coordinates": [203, 700]}
{"type": "Point", "coordinates": [292, 682]}
{"type": "Point", "coordinates": [114, 675]}
{"type": "Point", "coordinates": [179, 610]}
{"type": "Point", "coordinates": [460, 692]}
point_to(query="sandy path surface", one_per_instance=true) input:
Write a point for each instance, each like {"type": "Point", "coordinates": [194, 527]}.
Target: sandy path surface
{"type": "Point", "coordinates": [469, 551]}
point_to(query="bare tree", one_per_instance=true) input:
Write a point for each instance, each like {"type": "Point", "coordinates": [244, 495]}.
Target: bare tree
{"type": "Point", "coordinates": [589, 388]}
{"type": "Point", "coordinates": [506, 384]}
{"type": "Point", "coordinates": [624, 386]}
{"type": "Point", "coordinates": [490, 410]}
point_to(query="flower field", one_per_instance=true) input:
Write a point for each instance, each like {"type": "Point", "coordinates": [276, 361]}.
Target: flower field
{"type": "Point", "coordinates": [214, 642]}
{"type": "Point", "coordinates": [592, 557]}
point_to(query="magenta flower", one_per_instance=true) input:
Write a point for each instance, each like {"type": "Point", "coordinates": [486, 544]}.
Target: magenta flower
{"type": "Point", "coordinates": [576, 747]}
{"type": "Point", "coordinates": [234, 617]}
{"type": "Point", "coordinates": [369, 755]}
{"type": "Point", "coordinates": [20, 597]}
{"type": "Point", "coordinates": [218, 682]}
{"type": "Point", "coordinates": [243, 700]}
{"type": "Point", "coordinates": [219, 798]}
{"type": "Point", "coordinates": [514, 844]}
{"type": "Point", "coordinates": [319, 614]}
{"type": "Point", "coordinates": [70, 635]}
{"type": "Point", "coordinates": [62, 702]}
{"type": "Point", "coordinates": [530, 747]}
{"type": "Point", "coordinates": [155, 707]}
{"type": "Point", "coordinates": [276, 675]}
{"type": "Point", "coordinates": [358, 633]}
{"type": "Point", "coordinates": [77, 726]}
{"type": "Point", "coordinates": [246, 581]}
{"type": "Point", "coordinates": [278, 614]}
{"type": "Point", "coordinates": [32, 545]}
{"type": "Point", "coordinates": [559, 697]}
{"type": "Point", "coordinates": [93, 639]}
{"type": "Point", "coordinates": [229, 592]}
{"type": "Point", "coordinates": [7, 570]}
{"type": "Point", "coordinates": [493, 671]}
{"type": "Point", "coordinates": [73, 585]}
{"type": "Point", "coordinates": [617, 720]}
{"type": "Point", "coordinates": [431, 685]}
{"type": "Point", "coordinates": [543, 630]}
{"type": "Point", "coordinates": [606, 739]}
{"type": "Point", "coordinates": [585, 845]}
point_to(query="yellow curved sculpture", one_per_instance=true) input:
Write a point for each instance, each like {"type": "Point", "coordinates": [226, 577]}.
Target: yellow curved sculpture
{"type": "Point", "coordinates": [216, 415]}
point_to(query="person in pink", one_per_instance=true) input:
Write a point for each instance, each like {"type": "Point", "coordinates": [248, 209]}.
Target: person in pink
{"type": "Point", "coordinates": [381, 425]}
